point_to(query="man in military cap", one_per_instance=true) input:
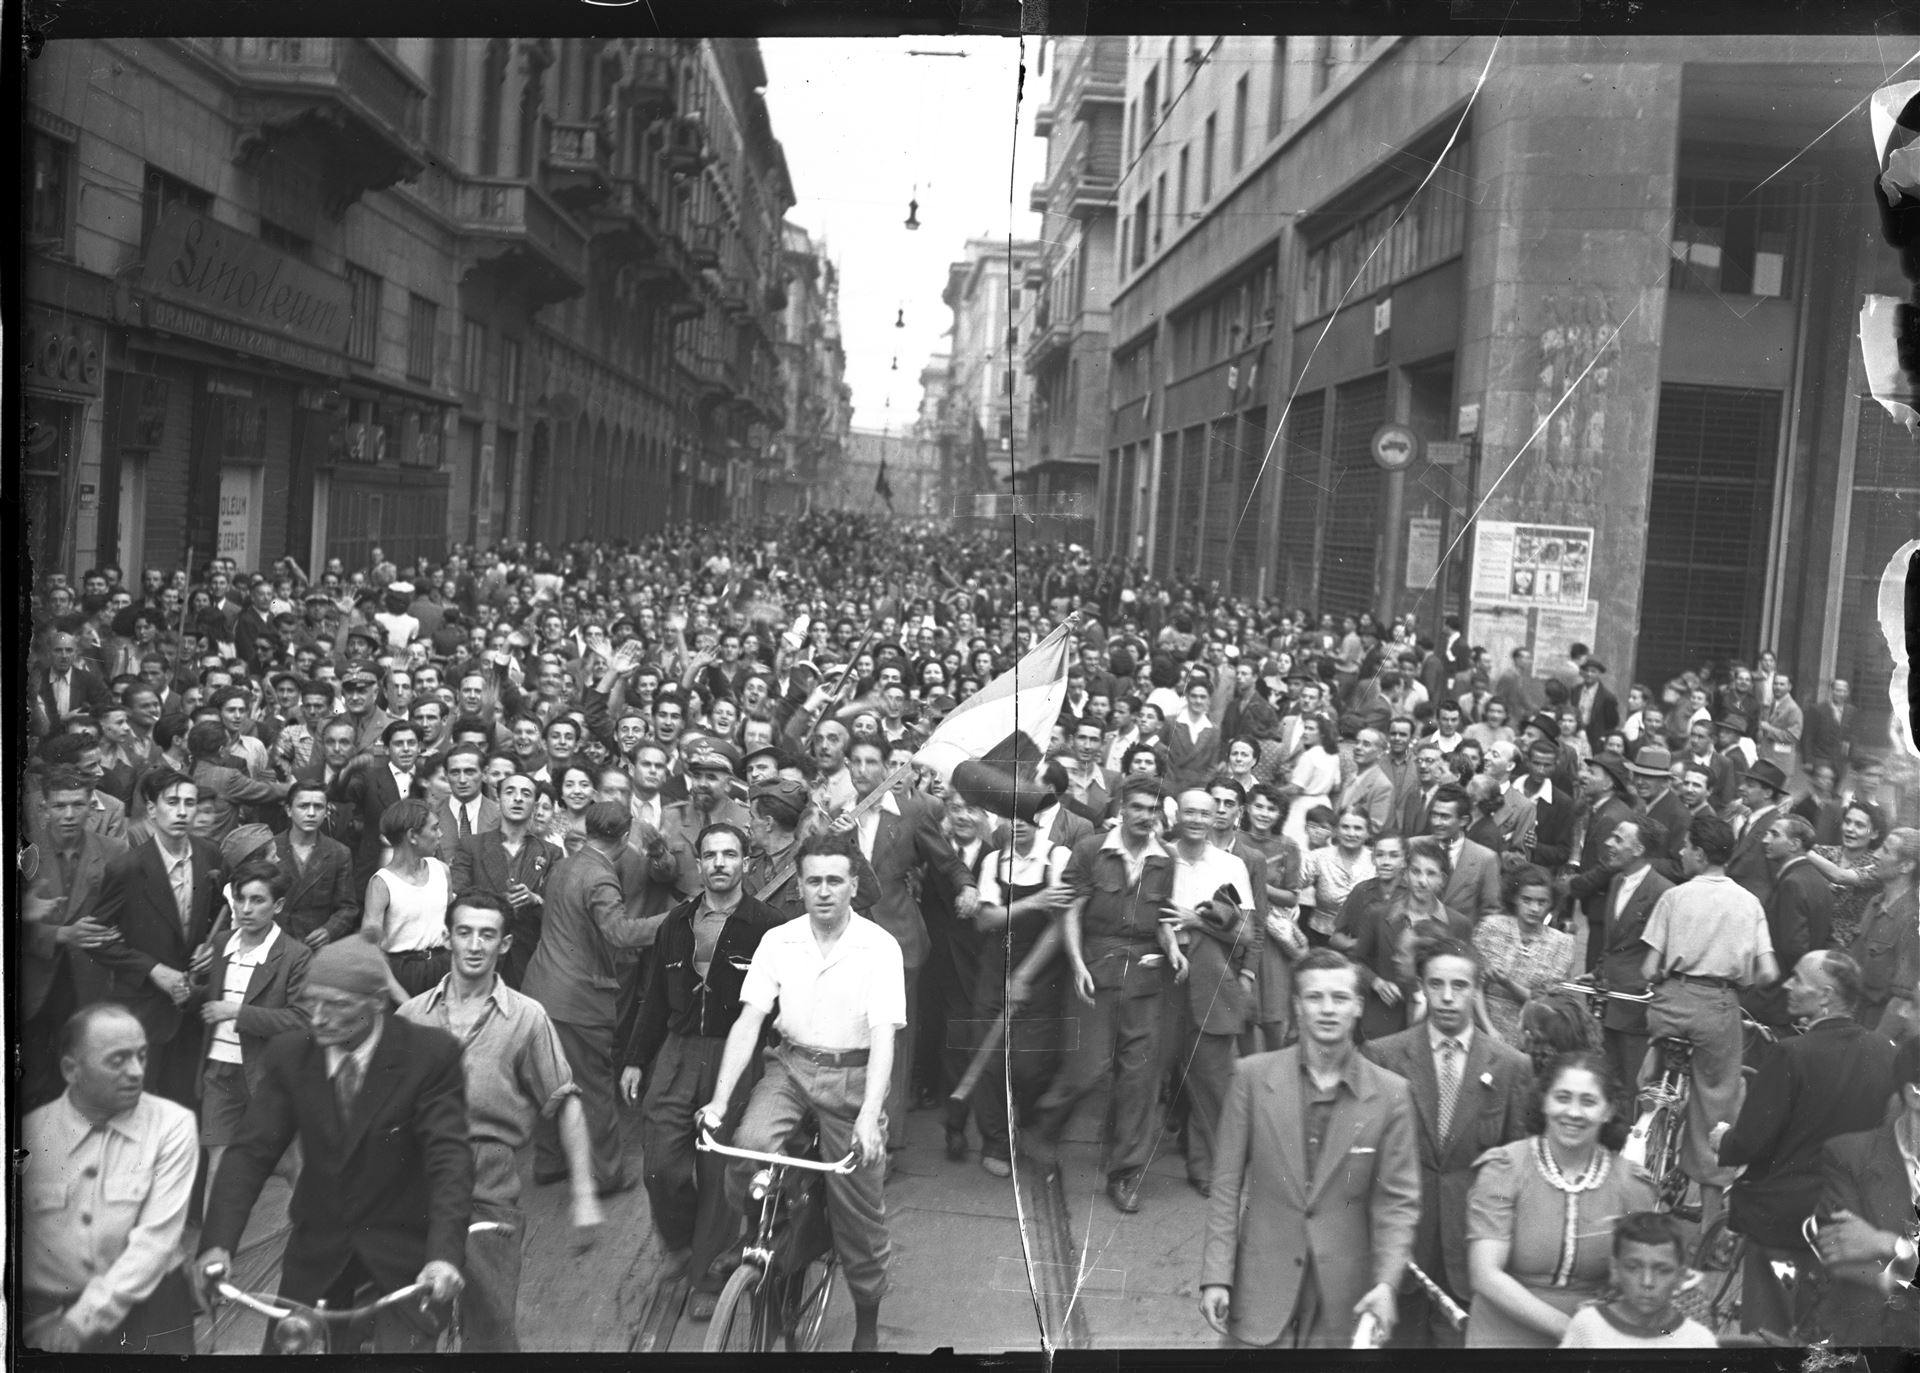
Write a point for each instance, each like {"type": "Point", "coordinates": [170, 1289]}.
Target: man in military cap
{"type": "Point", "coordinates": [711, 766]}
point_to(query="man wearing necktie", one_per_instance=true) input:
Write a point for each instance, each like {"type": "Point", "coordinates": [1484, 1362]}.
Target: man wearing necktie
{"type": "Point", "coordinates": [67, 686]}
{"type": "Point", "coordinates": [468, 811]}
{"type": "Point", "coordinates": [1470, 1093]}
{"type": "Point", "coordinates": [386, 1187]}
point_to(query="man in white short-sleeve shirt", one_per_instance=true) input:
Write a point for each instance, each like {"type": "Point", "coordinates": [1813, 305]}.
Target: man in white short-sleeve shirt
{"type": "Point", "coordinates": [841, 987]}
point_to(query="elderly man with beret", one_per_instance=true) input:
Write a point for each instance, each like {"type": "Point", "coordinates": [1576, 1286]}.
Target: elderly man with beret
{"type": "Point", "coordinates": [386, 1187]}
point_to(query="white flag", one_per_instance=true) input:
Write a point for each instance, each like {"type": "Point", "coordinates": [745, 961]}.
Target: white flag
{"type": "Point", "coordinates": [1016, 708]}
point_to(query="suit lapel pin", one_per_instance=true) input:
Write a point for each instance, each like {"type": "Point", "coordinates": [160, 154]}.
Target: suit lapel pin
{"type": "Point", "coordinates": [1486, 1079]}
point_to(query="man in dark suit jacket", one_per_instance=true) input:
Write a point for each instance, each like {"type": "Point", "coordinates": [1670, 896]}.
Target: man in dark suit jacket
{"type": "Point", "coordinates": [64, 677]}
{"type": "Point", "coordinates": [65, 871]}
{"type": "Point", "coordinates": [1605, 784]}
{"type": "Point", "coordinates": [468, 811]}
{"type": "Point", "coordinates": [159, 899]}
{"type": "Point", "coordinates": [1489, 1109]}
{"type": "Point", "coordinates": [900, 838]}
{"type": "Point", "coordinates": [1351, 1206]}
{"type": "Point", "coordinates": [1866, 1201]}
{"type": "Point", "coordinates": [375, 782]}
{"type": "Point", "coordinates": [1799, 914]}
{"type": "Point", "coordinates": [333, 751]}
{"type": "Point", "coordinates": [1596, 706]}
{"type": "Point", "coordinates": [1473, 888]}
{"type": "Point", "coordinates": [1763, 792]}
{"type": "Point", "coordinates": [1637, 884]}
{"type": "Point", "coordinates": [575, 976]}
{"type": "Point", "coordinates": [1652, 769]}
{"type": "Point", "coordinates": [1826, 733]}
{"type": "Point", "coordinates": [386, 1186]}
{"type": "Point", "coordinates": [1552, 796]}
{"type": "Point", "coordinates": [322, 904]}
{"type": "Point", "coordinates": [513, 863]}
{"type": "Point", "coordinates": [269, 1004]}
{"type": "Point", "coordinates": [1831, 1080]}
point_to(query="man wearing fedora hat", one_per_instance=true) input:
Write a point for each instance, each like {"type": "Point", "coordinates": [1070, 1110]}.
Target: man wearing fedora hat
{"type": "Point", "coordinates": [1606, 788]}
{"type": "Point", "coordinates": [1731, 742]}
{"type": "Point", "coordinates": [1652, 769]}
{"type": "Point", "coordinates": [1763, 792]}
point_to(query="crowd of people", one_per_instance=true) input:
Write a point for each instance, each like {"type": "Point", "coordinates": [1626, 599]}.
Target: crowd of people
{"type": "Point", "coordinates": [378, 878]}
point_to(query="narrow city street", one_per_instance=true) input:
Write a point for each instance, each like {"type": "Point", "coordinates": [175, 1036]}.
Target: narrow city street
{"type": "Point", "coordinates": [960, 1270]}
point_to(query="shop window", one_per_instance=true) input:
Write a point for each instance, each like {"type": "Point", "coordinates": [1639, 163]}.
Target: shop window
{"type": "Point", "coordinates": [50, 208]}
{"type": "Point", "coordinates": [423, 319]}
{"type": "Point", "coordinates": [363, 331]}
{"type": "Point", "coordinates": [160, 191]}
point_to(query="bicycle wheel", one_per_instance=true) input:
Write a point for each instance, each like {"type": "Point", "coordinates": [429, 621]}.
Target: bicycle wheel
{"type": "Point", "coordinates": [742, 1319]}
{"type": "Point", "coordinates": [1664, 1140]}
{"type": "Point", "coordinates": [808, 1293]}
{"type": "Point", "coordinates": [1719, 1257]}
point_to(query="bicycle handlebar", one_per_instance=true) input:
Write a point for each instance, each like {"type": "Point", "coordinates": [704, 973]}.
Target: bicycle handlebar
{"type": "Point", "coordinates": [1590, 989]}
{"type": "Point", "coordinates": [217, 1274]}
{"type": "Point", "coordinates": [713, 1146]}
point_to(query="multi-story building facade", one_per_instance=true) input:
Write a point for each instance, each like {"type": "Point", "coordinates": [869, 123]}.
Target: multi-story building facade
{"type": "Point", "coordinates": [1604, 307]}
{"type": "Point", "coordinates": [308, 296]}
{"type": "Point", "coordinates": [912, 466]}
{"type": "Point", "coordinates": [982, 434]}
{"type": "Point", "coordinates": [819, 403]}
{"type": "Point", "coordinates": [1071, 280]}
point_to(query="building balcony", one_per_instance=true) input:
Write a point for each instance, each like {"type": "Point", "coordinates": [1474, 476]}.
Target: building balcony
{"type": "Point", "coordinates": [712, 387]}
{"type": "Point", "coordinates": [1037, 198]}
{"type": "Point", "coordinates": [347, 100]}
{"type": "Point", "coordinates": [1043, 122]}
{"type": "Point", "coordinates": [1092, 195]}
{"type": "Point", "coordinates": [686, 150]}
{"type": "Point", "coordinates": [626, 225]}
{"type": "Point", "coordinates": [1035, 276]}
{"type": "Point", "coordinates": [735, 299]}
{"type": "Point", "coordinates": [513, 230]}
{"type": "Point", "coordinates": [703, 246]}
{"type": "Point", "coordinates": [1049, 340]}
{"type": "Point", "coordinates": [579, 163]}
{"type": "Point", "coordinates": [1098, 88]}
{"type": "Point", "coordinates": [651, 90]}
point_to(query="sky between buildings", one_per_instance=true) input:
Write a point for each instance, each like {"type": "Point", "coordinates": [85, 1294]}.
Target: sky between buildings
{"type": "Point", "coordinates": [863, 123]}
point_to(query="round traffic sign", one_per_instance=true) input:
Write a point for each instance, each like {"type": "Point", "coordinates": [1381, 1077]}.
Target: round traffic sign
{"type": "Point", "coordinates": [1395, 446]}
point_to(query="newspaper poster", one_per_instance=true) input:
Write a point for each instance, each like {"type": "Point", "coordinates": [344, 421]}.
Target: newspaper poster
{"type": "Point", "coordinates": [1555, 627]}
{"type": "Point", "coordinates": [1499, 629]}
{"type": "Point", "coordinates": [1532, 564]}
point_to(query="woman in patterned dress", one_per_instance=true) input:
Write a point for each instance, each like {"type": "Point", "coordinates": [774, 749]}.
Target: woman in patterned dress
{"type": "Point", "coordinates": [1850, 866]}
{"type": "Point", "coordinates": [1541, 1214]}
{"type": "Point", "coordinates": [1522, 955]}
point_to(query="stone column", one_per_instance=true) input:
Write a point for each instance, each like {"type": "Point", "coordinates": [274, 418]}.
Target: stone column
{"type": "Point", "coordinates": [1574, 167]}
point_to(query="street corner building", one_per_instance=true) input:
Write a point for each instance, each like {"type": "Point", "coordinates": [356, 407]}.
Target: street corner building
{"type": "Point", "coordinates": [310, 296]}
{"type": "Point", "coordinates": [1597, 293]}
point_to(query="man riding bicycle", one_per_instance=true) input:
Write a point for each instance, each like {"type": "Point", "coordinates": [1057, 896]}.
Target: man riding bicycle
{"type": "Point", "coordinates": [1707, 940]}
{"type": "Point", "coordinates": [841, 987]}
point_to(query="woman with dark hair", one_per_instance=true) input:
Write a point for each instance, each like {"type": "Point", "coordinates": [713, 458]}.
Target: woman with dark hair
{"type": "Point", "coordinates": [1315, 774]}
{"type": "Point", "coordinates": [1540, 1218]}
{"type": "Point", "coordinates": [1285, 940]}
{"type": "Point", "coordinates": [1851, 867]}
{"type": "Point", "coordinates": [406, 910]}
{"type": "Point", "coordinates": [576, 787]}
{"type": "Point", "coordinates": [1555, 1023]}
{"type": "Point", "coordinates": [1523, 955]}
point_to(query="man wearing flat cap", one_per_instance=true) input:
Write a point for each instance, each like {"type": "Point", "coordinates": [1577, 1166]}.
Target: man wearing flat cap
{"type": "Point", "coordinates": [386, 1184]}
{"type": "Point", "coordinates": [711, 766]}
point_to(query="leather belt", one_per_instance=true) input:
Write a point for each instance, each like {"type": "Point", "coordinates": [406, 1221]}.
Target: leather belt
{"type": "Point", "coordinates": [826, 1058]}
{"type": "Point", "coordinates": [1700, 981]}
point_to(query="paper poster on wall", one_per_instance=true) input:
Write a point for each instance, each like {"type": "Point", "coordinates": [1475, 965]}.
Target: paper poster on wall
{"type": "Point", "coordinates": [1499, 629]}
{"type": "Point", "coordinates": [237, 515]}
{"type": "Point", "coordinates": [1556, 627]}
{"type": "Point", "coordinates": [1532, 564]}
{"type": "Point", "coordinates": [1423, 552]}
